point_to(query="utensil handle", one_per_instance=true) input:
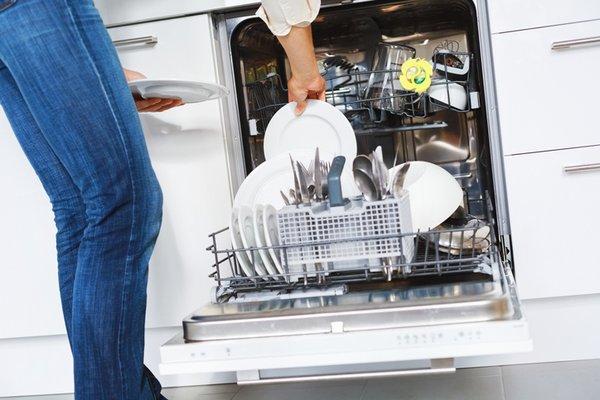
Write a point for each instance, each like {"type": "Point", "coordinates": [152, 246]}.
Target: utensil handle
{"type": "Point", "coordinates": [334, 181]}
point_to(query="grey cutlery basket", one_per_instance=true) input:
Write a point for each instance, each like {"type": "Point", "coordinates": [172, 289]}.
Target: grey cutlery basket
{"type": "Point", "coordinates": [357, 234]}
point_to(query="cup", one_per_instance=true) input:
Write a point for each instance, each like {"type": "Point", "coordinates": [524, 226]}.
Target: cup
{"type": "Point", "coordinates": [384, 91]}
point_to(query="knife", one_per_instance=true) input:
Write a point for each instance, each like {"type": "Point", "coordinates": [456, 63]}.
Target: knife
{"type": "Point", "coordinates": [317, 175]}
{"type": "Point", "coordinates": [303, 184]}
{"type": "Point", "coordinates": [296, 182]}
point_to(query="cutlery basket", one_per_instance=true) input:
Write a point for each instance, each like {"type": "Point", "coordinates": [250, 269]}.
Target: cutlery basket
{"type": "Point", "coordinates": [357, 235]}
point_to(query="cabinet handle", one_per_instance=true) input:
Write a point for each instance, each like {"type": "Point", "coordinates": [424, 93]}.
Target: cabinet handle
{"type": "Point", "coordinates": [567, 44]}
{"type": "Point", "coordinates": [145, 40]}
{"type": "Point", "coordinates": [582, 168]}
{"type": "Point", "coordinates": [438, 366]}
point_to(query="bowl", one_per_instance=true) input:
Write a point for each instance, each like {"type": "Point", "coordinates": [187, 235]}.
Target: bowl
{"type": "Point", "coordinates": [434, 193]}
{"type": "Point", "coordinates": [439, 91]}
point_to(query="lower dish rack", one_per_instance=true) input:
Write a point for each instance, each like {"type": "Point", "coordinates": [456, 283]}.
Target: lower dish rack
{"type": "Point", "coordinates": [434, 253]}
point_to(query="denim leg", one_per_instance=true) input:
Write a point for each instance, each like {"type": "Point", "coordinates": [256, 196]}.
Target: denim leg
{"type": "Point", "coordinates": [67, 204]}
{"type": "Point", "coordinates": [102, 51]}
{"type": "Point", "coordinates": [108, 162]}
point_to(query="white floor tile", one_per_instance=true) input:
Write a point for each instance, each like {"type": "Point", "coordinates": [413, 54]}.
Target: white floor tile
{"type": "Point", "coordinates": [553, 381]}
{"type": "Point", "coordinates": [214, 396]}
{"type": "Point", "coordinates": [306, 391]}
{"type": "Point", "coordinates": [436, 387]}
{"type": "Point", "coordinates": [184, 393]}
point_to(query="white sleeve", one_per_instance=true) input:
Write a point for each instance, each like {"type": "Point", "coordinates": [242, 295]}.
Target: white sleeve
{"type": "Point", "coordinates": [281, 15]}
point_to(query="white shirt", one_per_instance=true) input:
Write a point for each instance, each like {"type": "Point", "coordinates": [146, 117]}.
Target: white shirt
{"type": "Point", "coordinates": [281, 15]}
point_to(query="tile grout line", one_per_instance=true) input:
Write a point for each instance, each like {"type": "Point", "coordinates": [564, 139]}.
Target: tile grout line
{"type": "Point", "coordinates": [364, 390]}
{"type": "Point", "coordinates": [502, 383]}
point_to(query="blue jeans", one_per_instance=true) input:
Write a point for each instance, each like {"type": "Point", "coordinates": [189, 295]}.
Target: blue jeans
{"type": "Point", "coordinates": [63, 90]}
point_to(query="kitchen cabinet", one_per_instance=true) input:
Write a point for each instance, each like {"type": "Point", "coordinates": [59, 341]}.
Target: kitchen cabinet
{"type": "Point", "coordinates": [553, 202]}
{"type": "Point", "coordinates": [123, 12]}
{"type": "Point", "coordinates": [547, 96]}
{"type": "Point", "coordinates": [29, 297]}
{"type": "Point", "coordinates": [512, 15]}
{"type": "Point", "coordinates": [188, 153]}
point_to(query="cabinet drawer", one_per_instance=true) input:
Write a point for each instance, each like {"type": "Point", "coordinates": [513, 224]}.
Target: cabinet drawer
{"type": "Point", "coordinates": [126, 12]}
{"type": "Point", "coordinates": [553, 199]}
{"type": "Point", "coordinates": [188, 153]}
{"type": "Point", "coordinates": [510, 15]}
{"type": "Point", "coordinates": [547, 98]}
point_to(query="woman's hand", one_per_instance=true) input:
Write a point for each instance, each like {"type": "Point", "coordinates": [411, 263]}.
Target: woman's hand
{"type": "Point", "coordinates": [306, 87]}
{"type": "Point", "coordinates": [152, 104]}
{"type": "Point", "coordinates": [306, 81]}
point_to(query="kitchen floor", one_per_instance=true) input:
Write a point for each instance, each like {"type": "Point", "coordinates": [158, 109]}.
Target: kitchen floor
{"type": "Point", "coordinates": [552, 381]}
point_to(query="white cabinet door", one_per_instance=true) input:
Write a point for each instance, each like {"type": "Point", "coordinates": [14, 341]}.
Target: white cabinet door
{"type": "Point", "coordinates": [511, 15]}
{"type": "Point", "coordinates": [188, 153]}
{"type": "Point", "coordinates": [554, 214]}
{"type": "Point", "coordinates": [29, 299]}
{"type": "Point", "coordinates": [120, 12]}
{"type": "Point", "coordinates": [547, 99]}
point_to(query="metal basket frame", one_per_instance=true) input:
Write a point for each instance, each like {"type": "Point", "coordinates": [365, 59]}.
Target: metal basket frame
{"type": "Point", "coordinates": [347, 93]}
{"type": "Point", "coordinates": [429, 260]}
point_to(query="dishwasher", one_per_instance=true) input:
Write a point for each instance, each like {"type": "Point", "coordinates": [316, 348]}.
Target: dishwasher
{"type": "Point", "coordinates": [405, 316]}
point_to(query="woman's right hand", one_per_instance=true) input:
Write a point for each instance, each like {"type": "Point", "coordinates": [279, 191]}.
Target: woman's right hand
{"type": "Point", "coordinates": [310, 86]}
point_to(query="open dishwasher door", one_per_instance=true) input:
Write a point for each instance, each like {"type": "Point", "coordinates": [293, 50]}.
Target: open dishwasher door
{"type": "Point", "coordinates": [429, 311]}
{"type": "Point", "coordinates": [436, 321]}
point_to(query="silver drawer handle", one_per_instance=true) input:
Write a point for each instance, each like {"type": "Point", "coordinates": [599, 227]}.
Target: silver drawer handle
{"type": "Point", "coordinates": [567, 44]}
{"type": "Point", "coordinates": [438, 366]}
{"type": "Point", "coordinates": [582, 168]}
{"type": "Point", "coordinates": [145, 40]}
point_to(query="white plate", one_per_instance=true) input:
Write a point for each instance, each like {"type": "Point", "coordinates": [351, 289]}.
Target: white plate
{"type": "Point", "coordinates": [261, 239]}
{"type": "Point", "coordinates": [236, 241]}
{"type": "Point", "coordinates": [246, 222]}
{"type": "Point", "coordinates": [434, 194]}
{"type": "Point", "coordinates": [272, 234]}
{"type": "Point", "coordinates": [188, 91]}
{"type": "Point", "coordinates": [320, 125]}
{"type": "Point", "coordinates": [264, 184]}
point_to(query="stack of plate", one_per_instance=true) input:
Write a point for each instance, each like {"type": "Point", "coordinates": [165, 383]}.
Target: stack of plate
{"type": "Point", "coordinates": [254, 216]}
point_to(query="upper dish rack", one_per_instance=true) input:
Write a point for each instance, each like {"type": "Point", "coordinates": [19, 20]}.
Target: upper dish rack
{"type": "Point", "coordinates": [352, 91]}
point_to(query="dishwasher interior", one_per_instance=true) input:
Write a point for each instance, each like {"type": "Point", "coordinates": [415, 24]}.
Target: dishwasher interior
{"type": "Point", "coordinates": [439, 283]}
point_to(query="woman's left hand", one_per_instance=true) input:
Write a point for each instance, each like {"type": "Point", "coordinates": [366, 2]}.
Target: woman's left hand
{"type": "Point", "coordinates": [152, 104]}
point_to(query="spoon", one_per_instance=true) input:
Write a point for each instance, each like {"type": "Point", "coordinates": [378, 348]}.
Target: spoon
{"type": "Point", "coordinates": [375, 176]}
{"type": "Point", "coordinates": [383, 171]}
{"type": "Point", "coordinates": [365, 185]}
{"type": "Point", "coordinates": [398, 183]}
{"type": "Point", "coordinates": [364, 164]}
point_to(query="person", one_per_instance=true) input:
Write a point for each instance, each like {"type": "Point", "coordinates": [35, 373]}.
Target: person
{"type": "Point", "coordinates": [66, 96]}
{"type": "Point", "coordinates": [290, 21]}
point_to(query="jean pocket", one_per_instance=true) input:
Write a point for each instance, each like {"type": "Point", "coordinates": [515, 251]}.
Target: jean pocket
{"type": "Point", "coordinates": [4, 4]}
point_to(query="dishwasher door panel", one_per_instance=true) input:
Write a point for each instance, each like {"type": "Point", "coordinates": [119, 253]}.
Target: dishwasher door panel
{"type": "Point", "coordinates": [344, 349]}
{"type": "Point", "coordinates": [427, 333]}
